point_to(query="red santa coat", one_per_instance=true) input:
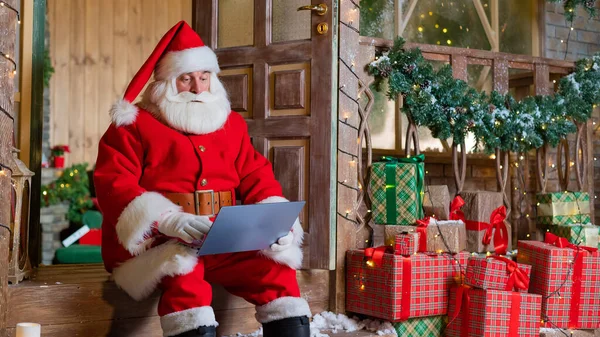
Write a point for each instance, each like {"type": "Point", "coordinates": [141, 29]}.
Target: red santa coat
{"type": "Point", "coordinates": [139, 161]}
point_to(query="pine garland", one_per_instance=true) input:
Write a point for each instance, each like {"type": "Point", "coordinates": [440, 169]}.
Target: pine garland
{"type": "Point", "coordinates": [451, 109]}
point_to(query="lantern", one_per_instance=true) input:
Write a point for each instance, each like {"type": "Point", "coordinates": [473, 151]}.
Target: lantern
{"type": "Point", "coordinates": [19, 263]}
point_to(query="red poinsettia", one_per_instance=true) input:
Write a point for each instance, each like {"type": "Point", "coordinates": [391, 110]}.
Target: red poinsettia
{"type": "Point", "coordinates": [59, 150]}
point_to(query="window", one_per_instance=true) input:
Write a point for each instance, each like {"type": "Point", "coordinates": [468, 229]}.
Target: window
{"type": "Point", "coordinates": [463, 24]}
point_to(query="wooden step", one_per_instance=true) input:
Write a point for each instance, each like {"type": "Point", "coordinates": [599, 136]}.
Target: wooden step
{"type": "Point", "coordinates": [81, 300]}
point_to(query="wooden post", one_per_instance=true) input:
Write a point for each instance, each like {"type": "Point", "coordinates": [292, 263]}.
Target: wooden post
{"type": "Point", "coordinates": [8, 26]}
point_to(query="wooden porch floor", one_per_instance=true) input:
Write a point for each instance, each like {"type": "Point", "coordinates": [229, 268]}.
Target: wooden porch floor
{"type": "Point", "coordinates": [81, 300]}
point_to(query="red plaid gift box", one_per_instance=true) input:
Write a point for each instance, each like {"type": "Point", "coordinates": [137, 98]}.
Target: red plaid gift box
{"type": "Point", "coordinates": [567, 278]}
{"type": "Point", "coordinates": [492, 313]}
{"type": "Point", "coordinates": [395, 287]}
{"type": "Point", "coordinates": [406, 244]}
{"type": "Point", "coordinates": [497, 273]}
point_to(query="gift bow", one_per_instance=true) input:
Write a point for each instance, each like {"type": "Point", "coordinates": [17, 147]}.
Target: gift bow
{"type": "Point", "coordinates": [376, 254]}
{"type": "Point", "coordinates": [455, 209]}
{"type": "Point", "coordinates": [518, 278]}
{"type": "Point", "coordinates": [561, 242]}
{"type": "Point", "coordinates": [501, 237]}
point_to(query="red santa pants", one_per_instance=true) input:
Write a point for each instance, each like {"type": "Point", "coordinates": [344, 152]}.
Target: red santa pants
{"type": "Point", "coordinates": [248, 275]}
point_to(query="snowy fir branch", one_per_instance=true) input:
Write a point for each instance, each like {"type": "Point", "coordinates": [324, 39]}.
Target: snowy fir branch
{"type": "Point", "coordinates": [451, 109]}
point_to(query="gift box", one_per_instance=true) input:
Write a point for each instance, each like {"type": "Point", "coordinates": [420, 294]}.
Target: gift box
{"type": "Point", "coordinates": [553, 332]}
{"type": "Point", "coordinates": [406, 243]}
{"type": "Point", "coordinates": [436, 235]}
{"type": "Point", "coordinates": [422, 327]}
{"type": "Point", "coordinates": [484, 216]}
{"type": "Point", "coordinates": [497, 273]}
{"type": "Point", "coordinates": [563, 208]}
{"type": "Point", "coordinates": [394, 287]}
{"type": "Point", "coordinates": [584, 235]}
{"type": "Point", "coordinates": [567, 278]}
{"type": "Point", "coordinates": [92, 238]}
{"type": "Point", "coordinates": [476, 312]}
{"type": "Point", "coordinates": [436, 202]}
{"type": "Point", "coordinates": [396, 190]}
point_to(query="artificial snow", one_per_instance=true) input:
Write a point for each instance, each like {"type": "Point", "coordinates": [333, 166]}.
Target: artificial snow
{"type": "Point", "coordinates": [335, 323]}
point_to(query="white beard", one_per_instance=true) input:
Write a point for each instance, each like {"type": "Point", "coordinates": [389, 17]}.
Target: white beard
{"type": "Point", "coordinates": [187, 112]}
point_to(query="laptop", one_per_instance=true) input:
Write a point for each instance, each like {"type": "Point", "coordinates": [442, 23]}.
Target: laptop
{"type": "Point", "coordinates": [250, 227]}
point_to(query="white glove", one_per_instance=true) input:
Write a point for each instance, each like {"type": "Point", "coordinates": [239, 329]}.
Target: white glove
{"type": "Point", "coordinates": [185, 226]}
{"type": "Point", "coordinates": [283, 243]}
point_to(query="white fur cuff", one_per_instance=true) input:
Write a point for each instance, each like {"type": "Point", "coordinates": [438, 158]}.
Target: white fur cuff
{"type": "Point", "coordinates": [135, 222]}
{"type": "Point", "coordinates": [189, 60]}
{"type": "Point", "coordinates": [283, 307]}
{"type": "Point", "coordinates": [186, 320]}
{"type": "Point", "coordinates": [123, 113]}
{"type": "Point", "coordinates": [140, 275]}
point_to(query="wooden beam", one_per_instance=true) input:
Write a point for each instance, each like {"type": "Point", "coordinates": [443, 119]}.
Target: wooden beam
{"type": "Point", "coordinates": [489, 31]}
{"type": "Point", "coordinates": [501, 76]}
{"type": "Point", "coordinates": [403, 20]}
{"type": "Point", "coordinates": [25, 81]}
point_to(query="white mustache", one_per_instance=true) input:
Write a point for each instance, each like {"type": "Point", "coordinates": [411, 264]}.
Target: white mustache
{"type": "Point", "coordinates": [187, 97]}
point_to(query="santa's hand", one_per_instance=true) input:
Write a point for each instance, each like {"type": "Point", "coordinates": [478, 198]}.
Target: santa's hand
{"type": "Point", "coordinates": [283, 243]}
{"type": "Point", "coordinates": [185, 226]}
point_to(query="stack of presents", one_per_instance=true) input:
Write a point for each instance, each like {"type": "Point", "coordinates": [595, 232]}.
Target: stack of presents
{"type": "Point", "coordinates": [446, 267]}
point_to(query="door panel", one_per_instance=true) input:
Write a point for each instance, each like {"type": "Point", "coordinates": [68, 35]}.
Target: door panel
{"type": "Point", "coordinates": [280, 81]}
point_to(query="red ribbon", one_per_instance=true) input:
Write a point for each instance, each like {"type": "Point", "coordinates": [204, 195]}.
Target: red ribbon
{"type": "Point", "coordinates": [515, 314]}
{"type": "Point", "coordinates": [376, 254]}
{"type": "Point", "coordinates": [496, 222]}
{"type": "Point", "coordinates": [455, 209]}
{"type": "Point", "coordinates": [422, 230]}
{"type": "Point", "coordinates": [406, 285]}
{"type": "Point", "coordinates": [517, 279]}
{"type": "Point", "coordinates": [561, 242]}
{"type": "Point", "coordinates": [463, 303]}
{"type": "Point", "coordinates": [462, 296]}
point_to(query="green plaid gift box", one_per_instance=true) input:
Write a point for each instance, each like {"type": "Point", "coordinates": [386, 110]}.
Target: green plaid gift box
{"type": "Point", "coordinates": [396, 189]}
{"type": "Point", "coordinates": [584, 235]}
{"type": "Point", "coordinates": [422, 327]}
{"type": "Point", "coordinates": [563, 208]}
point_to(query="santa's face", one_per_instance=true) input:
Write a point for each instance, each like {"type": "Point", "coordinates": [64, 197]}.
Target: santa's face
{"type": "Point", "coordinates": [195, 82]}
{"type": "Point", "coordinates": [194, 102]}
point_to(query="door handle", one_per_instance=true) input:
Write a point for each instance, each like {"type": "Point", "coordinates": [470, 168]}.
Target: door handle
{"type": "Point", "coordinates": [320, 9]}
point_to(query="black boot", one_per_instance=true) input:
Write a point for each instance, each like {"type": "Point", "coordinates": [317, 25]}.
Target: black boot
{"type": "Point", "coordinates": [203, 331]}
{"type": "Point", "coordinates": [288, 327]}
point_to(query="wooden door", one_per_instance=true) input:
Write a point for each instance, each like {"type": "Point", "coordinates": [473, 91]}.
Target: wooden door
{"type": "Point", "coordinates": [278, 71]}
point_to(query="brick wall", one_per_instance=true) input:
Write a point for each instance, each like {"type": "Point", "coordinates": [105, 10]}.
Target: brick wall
{"type": "Point", "coordinates": [584, 41]}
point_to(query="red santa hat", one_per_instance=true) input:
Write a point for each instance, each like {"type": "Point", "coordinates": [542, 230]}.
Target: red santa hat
{"type": "Point", "coordinates": [179, 51]}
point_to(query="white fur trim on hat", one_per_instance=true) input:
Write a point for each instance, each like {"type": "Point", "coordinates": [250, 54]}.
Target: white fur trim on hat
{"type": "Point", "coordinates": [136, 221]}
{"type": "Point", "coordinates": [283, 307]}
{"type": "Point", "coordinates": [140, 275]}
{"type": "Point", "coordinates": [189, 60]}
{"type": "Point", "coordinates": [186, 320]}
{"type": "Point", "coordinates": [292, 256]}
{"type": "Point", "coordinates": [123, 112]}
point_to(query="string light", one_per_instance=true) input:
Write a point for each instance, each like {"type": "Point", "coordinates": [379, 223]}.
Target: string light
{"type": "Point", "coordinates": [6, 56]}
{"type": "Point", "coordinates": [5, 5]}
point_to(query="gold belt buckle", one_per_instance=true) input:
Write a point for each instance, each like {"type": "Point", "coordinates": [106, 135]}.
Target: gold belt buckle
{"type": "Point", "coordinates": [197, 201]}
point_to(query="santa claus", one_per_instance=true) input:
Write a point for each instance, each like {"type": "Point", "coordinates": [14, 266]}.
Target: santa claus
{"type": "Point", "coordinates": [165, 167]}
